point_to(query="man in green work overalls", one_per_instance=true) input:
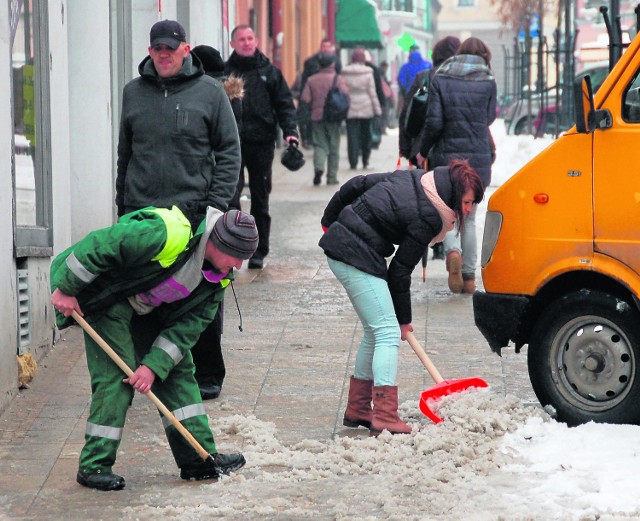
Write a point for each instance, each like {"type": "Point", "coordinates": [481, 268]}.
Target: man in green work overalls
{"type": "Point", "coordinates": [149, 287]}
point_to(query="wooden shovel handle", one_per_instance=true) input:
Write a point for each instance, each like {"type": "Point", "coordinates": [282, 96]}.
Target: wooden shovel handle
{"type": "Point", "coordinates": [127, 370]}
{"type": "Point", "coordinates": [428, 364]}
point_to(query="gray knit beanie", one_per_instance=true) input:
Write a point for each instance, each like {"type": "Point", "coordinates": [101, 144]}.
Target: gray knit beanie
{"type": "Point", "coordinates": [235, 234]}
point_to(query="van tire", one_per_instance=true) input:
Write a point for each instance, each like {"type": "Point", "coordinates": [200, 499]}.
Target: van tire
{"type": "Point", "coordinates": [584, 359]}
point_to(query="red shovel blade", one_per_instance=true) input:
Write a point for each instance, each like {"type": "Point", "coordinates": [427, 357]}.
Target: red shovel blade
{"type": "Point", "coordinates": [445, 388]}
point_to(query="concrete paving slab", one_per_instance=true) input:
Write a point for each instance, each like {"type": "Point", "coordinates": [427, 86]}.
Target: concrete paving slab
{"type": "Point", "coordinates": [289, 366]}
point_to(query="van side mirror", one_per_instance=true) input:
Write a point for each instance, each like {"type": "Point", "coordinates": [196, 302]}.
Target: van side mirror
{"type": "Point", "coordinates": [587, 118]}
{"type": "Point", "coordinates": [583, 102]}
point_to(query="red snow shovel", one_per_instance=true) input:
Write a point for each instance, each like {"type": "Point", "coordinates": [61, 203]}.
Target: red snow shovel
{"type": "Point", "coordinates": [127, 370]}
{"type": "Point", "coordinates": [443, 387]}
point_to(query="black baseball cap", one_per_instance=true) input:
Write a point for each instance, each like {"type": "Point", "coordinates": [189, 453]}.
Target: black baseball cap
{"type": "Point", "coordinates": [167, 32]}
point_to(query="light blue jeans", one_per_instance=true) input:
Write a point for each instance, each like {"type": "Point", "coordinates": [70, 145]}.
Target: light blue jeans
{"type": "Point", "coordinates": [465, 243]}
{"type": "Point", "coordinates": [377, 357]}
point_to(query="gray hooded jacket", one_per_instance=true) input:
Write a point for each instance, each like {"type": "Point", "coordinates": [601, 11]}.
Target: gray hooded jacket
{"type": "Point", "coordinates": [178, 141]}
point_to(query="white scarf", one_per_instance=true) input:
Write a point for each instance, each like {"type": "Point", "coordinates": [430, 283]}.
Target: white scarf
{"type": "Point", "coordinates": [447, 215]}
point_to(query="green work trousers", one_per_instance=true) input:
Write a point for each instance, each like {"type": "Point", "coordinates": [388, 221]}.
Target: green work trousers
{"type": "Point", "coordinates": [326, 147]}
{"type": "Point", "coordinates": [111, 398]}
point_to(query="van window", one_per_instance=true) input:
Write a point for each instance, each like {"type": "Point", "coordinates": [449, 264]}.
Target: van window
{"type": "Point", "coordinates": [631, 101]}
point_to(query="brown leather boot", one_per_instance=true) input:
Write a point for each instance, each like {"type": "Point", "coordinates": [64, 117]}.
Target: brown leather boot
{"type": "Point", "coordinates": [454, 267]}
{"type": "Point", "coordinates": [385, 411]}
{"type": "Point", "coordinates": [469, 285]}
{"type": "Point", "coordinates": [359, 405]}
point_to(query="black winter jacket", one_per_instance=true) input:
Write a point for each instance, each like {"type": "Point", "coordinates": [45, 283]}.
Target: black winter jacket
{"type": "Point", "coordinates": [267, 100]}
{"type": "Point", "coordinates": [370, 214]}
{"type": "Point", "coordinates": [462, 106]}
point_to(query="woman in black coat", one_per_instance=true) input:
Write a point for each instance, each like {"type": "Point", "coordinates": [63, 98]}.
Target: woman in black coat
{"type": "Point", "coordinates": [462, 106]}
{"type": "Point", "coordinates": [364, 222]}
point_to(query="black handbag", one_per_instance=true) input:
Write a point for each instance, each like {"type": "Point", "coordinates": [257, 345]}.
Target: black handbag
{"type": "Point", "coordinates": [292, 158]}
{"type": "Point", "coordinates": [417, 110]}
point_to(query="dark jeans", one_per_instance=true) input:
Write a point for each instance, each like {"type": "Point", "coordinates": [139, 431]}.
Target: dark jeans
{"type": "Point", "coordinates": [207, 353]}
{"type": "Point", "coordinates": [303, 114]}
{"type": "Point", "coordinates": [257, 158]}
{"type": "Point", "coordinates": [358, 141]}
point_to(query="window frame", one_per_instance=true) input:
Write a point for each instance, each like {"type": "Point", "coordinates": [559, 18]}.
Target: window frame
{"type": "Point", "coordinates": [37, 240]}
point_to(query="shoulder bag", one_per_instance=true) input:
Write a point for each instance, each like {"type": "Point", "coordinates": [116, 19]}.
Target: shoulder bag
{"type": "Point", "coordinates": [417, 110]}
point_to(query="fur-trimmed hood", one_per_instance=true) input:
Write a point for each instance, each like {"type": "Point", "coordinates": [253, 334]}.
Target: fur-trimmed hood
{"type": "Point", "coordinates": [234, 87]}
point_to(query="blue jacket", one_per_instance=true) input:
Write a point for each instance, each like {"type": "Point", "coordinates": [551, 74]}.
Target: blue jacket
{"type": "Point", "coordinates": [408, 71]}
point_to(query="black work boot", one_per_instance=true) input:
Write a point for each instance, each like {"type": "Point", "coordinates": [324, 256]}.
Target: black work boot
{"type": "Point", "coordinates": [317, 178]}
{"type": "Point", "coordinates": [256, 263]}
{"type": "Point", "coordinates": [222, 464]}
{"type": "Point", "coordinates": [438, 251]}
{"type": "Point", "coordinates": [100, 480]}
{"type": "Point", "coordinates": [209, 390]}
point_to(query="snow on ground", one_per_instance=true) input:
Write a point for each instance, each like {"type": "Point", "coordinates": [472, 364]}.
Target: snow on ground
{"type": "Point", "coordinates": [493, 458]}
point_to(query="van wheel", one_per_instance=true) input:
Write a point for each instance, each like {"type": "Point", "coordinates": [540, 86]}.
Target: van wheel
{"type": "Point", "coordinates": [584, 358]}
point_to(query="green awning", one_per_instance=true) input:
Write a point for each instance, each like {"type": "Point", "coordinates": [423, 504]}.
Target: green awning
{"type": "Point", "coordinates": [356, 25]}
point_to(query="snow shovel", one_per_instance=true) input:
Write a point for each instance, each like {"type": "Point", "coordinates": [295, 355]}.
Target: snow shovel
{"type": "Point", "coordinates": [127, 370]}
{"type": "Point", "coordinates": [443, 387]}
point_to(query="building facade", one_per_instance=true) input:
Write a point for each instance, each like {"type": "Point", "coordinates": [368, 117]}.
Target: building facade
{"type": "Point", "coordinates": [63, 64]}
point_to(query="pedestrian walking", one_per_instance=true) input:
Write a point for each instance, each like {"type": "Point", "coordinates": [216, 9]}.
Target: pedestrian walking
{"type": "Point", "coordinates": [207, 352]}
{"type": "Point", "coordinates": [149, 287]}
{"type": "Point", "coordinates": [364, 106]}
{"type": "Point", "coordinates": [214, 66]}
{"type": "Point", "coordinates": [461, 108]}
{"type": "Point", "coordinates": [377, 128]}
{"type": "Point", "coordinates": [409, 145]}
{"type": "Point", "coordinates": [326, 134]}
{"type": "Point", "coordinates": [388, 95]}
{"type": "Point", "coordinates": [407, 73]}
{"type": "Point", "coordinates": [312, 66]}
{"type": "Point", "coordinates": [192, 163]}
{"type": "Point", "coordinates": [178, 140]}
{"type": "Point", "coordinates": [364, 221]}
{"type": "Point", "coordinates": [267, 104]}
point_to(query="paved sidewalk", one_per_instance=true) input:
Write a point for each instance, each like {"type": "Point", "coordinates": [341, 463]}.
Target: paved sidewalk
{"type": "Point", "coordinates": [290, 366]}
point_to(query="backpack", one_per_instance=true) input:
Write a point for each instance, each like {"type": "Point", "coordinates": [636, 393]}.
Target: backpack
{"type": "Point", "coordinates": [416, 110]}
{"type": "Point", "coordinates": [336, 106]}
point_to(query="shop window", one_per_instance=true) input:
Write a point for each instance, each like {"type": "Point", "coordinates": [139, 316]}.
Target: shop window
{"type": "Point", "coordinates": [31, 156]}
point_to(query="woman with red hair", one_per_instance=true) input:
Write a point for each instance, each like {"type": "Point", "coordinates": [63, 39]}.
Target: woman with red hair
{"type": "Point", "coordinates": [364, 222]}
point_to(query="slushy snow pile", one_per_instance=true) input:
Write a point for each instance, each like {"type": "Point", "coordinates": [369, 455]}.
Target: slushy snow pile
{"type": "Point", "coordinates": [491, 459]}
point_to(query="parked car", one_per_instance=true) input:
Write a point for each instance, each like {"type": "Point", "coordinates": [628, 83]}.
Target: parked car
{"type": "Point", "coordinates": [520, 117]}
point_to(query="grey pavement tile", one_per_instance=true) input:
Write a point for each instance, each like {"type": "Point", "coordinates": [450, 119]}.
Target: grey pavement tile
{"type": "Point", "coordinates": [290, 366]}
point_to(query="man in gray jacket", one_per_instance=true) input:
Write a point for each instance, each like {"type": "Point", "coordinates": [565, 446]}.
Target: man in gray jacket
{"type": "Point", "coordinates": [178, 137]}
{"type": "Point", "coordinates": [179, 145]}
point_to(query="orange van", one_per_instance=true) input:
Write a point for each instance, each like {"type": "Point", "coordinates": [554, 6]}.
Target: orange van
{"type": "Point", "coordinates": [561, 258]}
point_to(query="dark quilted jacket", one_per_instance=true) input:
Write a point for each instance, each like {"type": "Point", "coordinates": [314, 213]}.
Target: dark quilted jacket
{"type": "Point", "coordinates": [462, 106]}
{"type": "Point", "coordinates": [267, 100]}
{"type": "Point", "coordinates": [371, 214]}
